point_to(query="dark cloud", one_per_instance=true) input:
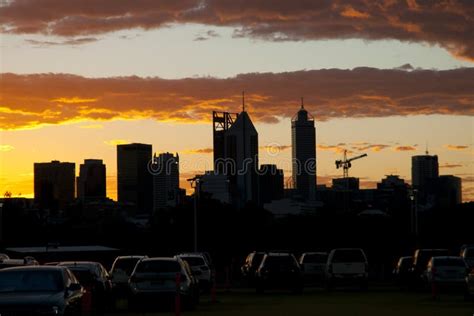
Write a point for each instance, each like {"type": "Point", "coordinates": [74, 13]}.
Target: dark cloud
{"type": "Point", "coordinates": [30, 100]}
{"type": "Point", "coordinates": [448, 23]}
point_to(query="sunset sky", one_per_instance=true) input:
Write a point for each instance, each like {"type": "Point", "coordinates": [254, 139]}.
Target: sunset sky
{"type": "Point", "coordinates": [387, 78]}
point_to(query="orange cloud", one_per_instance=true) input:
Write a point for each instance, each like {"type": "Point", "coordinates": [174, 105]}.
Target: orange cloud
{"type": "Point", "coordinates": [404, 148]}
{"type": "Point", "coordinates": [445, 23]}
{"type": "Point", "coordinates": [199, 151]}
{"type": "Point", "coordinates": [450, 166]}
{"type": "Point", "coordinates": [34, 100]}
{"type": "Point", "coordinates": [456, 147]}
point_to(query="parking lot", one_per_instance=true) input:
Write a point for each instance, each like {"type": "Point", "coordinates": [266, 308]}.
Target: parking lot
{"type": "Point", "coordinates": [314, 301]}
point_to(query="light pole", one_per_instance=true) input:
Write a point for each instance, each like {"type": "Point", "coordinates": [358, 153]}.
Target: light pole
{"type": "Point", "coordinates": [414, 208]}
{"type": "Point", "coordinates": [196, 185]}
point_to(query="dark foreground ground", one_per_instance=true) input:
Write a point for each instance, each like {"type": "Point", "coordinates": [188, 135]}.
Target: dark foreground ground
{"type": "Point", "coordinates": [375, 302]}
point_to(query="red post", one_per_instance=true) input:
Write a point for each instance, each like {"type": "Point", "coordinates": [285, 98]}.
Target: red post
{"type": "Point", "coordinates": [434, 290]}
{"type": "Point", "coordinates": [177, 299]}
{"type": "Point", "coordinates": [87, 301]}
{"type": "Point", "coordinates": [213, 288]}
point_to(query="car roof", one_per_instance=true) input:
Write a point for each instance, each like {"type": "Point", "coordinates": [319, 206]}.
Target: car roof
{"type": "Point", "coordinates": [131, 257]}
{"type": "Point", "coordinates": [35, 268]}
{"type": "Point", "coordinates": [315, 253]}
{"type": "Point", "coordinates": [159, 259]}
{"type": "Point", "coordinates": [279, 254]}
{"type": "Point", "coordinates": [79, 263]}
{"type": "Point", "coordinates": [447, 257]}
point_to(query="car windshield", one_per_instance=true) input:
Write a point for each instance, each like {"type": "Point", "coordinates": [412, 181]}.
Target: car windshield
{"type": "Point", "coordinates": [31, 281]}
{"type": "Point", "coordinates": [469, 253]}
{"type": "Point", "coordinates": [405, 262]}
{"type": "Point", "coordinates": [158, 266]}
{"type": "Point", "coordinates": [84, 276]}
{"type": "Point", "coordinates": [449, 262]}
{"type": "Point", "coordinates": [279, 261]}
{"type": "Point", "coordinates": [126, 264]}
{"type": "Point", "coordinates": [348, 256]}
{"type": "Point", "coordinates": [194, 261]}
{"type": "Point", "coordinates": [257, 259]}
{"type": "Point", "coordinates": [315, 258]}
{"type": "Point", "coordinates": [425, 255]}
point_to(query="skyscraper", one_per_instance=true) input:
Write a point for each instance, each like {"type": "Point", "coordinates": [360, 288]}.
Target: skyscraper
{"type": "Point", "coordinates": [91, 182]}
{"type": "Point", "coordinates": [134, 180]}
{"type": "Point", "coordinates": [54, 184]}
{"type": "Point", "coordinates": [424, 168]}
{"type": "Point", "coordinates": [236, 154]}
{"type": "Point", "coordinates": [271, 186]}
{"type": "Point", "coordinates": [303, 141]}
{"type": "Point", "coordinates": [241, 142]}
{"type": "Point", "coordinates": [165, 180]}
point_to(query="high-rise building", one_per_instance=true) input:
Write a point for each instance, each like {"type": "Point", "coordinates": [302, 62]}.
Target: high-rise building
{"type": "Point", "coordinates": [271, 185]}
{"type": "Point", "coordinates": [236, 155]}
{"type": "Point", "coordinates": [165, 170]}
{"type": "Point", "coordinates": [345, 184]}
{"type": "Point", "coordinates": [54, 184]}
{"type": "Point", "coordinates": [424, 168]}
{"type": "Point", "coordinates": [303, 141]}
{"type": "Point", "coordinates": [91, 183]}
{"type": "Point", "coordinates": [216, 185]}
{"type": "Point", "coordinates": [446, 191]}
{"type": "Point", "coordinates": [134, 180]}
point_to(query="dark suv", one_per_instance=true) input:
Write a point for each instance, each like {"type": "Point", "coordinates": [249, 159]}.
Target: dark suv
{"type": "Point", "coordinates": [279, 270]}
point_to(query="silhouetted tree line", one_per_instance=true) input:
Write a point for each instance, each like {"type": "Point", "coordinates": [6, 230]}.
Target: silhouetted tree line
{"type": "Point", "coordinates": [229, 234]}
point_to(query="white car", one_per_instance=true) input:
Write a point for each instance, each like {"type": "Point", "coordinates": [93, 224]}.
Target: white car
{"type": "Point", "coordinates": [347, 266]}
{"type": "Point", "coordinates": [200, 267]}
{"type": "Point", "coordinates": [447, 272]}
{"type": "Point", "coordinates": [121, 270]}
{"type": "Point", "coordinates": [313, 265]}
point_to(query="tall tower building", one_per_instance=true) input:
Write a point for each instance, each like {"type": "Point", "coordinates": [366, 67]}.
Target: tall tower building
{"type": "Point", "coordinates": [303, 141]}
{"type": "Point", "coordinates": [134, 180]}
{"type": "Point", "coordinates": [236, 155]}
{"type": "Point", "coordinates": [91, 183]}
{"type": "Point", "coordinates": [424, 168]}
{"type": "Point", "coordinates": [54, 184]}
{"type": "Point", "coordinates": [165, 180]}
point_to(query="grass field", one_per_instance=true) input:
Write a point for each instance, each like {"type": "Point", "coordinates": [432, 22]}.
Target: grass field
{"type": "Point", "coordinates": [319, 302]}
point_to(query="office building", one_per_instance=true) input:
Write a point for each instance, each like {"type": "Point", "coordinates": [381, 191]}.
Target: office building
{"type": "Point", "coordinates": [216, 185]}
{"type": "Point", "coordinates": [134, 179]}
{"type": "Point", "coordinates": [165, 171]}
{"type": "Point", "coordinates": [54, 184]}
{"type": "Point", "coordinates": [91, 182]}
{"type": "Point", "coordinates": [303, 141]}
{"type": "Point", "coordinates": [271, 185]}
{"type": "Point", "coordinates": [423, 169]}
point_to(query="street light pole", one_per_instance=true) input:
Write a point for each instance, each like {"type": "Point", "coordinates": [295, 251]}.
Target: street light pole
{"type": "Point", "coordinates": [196, 184]}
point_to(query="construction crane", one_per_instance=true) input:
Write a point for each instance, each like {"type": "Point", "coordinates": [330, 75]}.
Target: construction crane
{"type": "Point", "coordinates": [345, 164]}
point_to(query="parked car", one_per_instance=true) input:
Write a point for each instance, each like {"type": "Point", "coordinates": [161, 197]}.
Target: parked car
{"type": "Point", "coordinates": [121, 270]}
{"type": "Point", "coordinates": [420, 261]}
{"type": "Point", "coordinates": [313, 265]}
{"type": "Point", "coordinates": [94, 278]}
{"type": "Point", "coordinates": [37, 290]}
{"type": "Point", "coordinates": [446, 273]}
{"type": "Point", "coordinates": [464, 246]}
{"type": "Point", "coordinates": [469, 290]}
{"type": "Point", "coordinates": [155, 279]}
{"type": "Point", "coordinates": [10, 263]}
{"type": "Point", "coordinates": [279, 270]}
{"type": "Point", "coordinates": [200, 268]}
{"type": "Point", "coordinates": [347, 266]}
{"type": "Point", "coordinates": [4, 256]}
{"type": "Point", "coordinates": [401, 273]}
{"type": "Point", "coordinates": [468, 256]}
{"type": "Point", "coordinates": [250, 266]}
